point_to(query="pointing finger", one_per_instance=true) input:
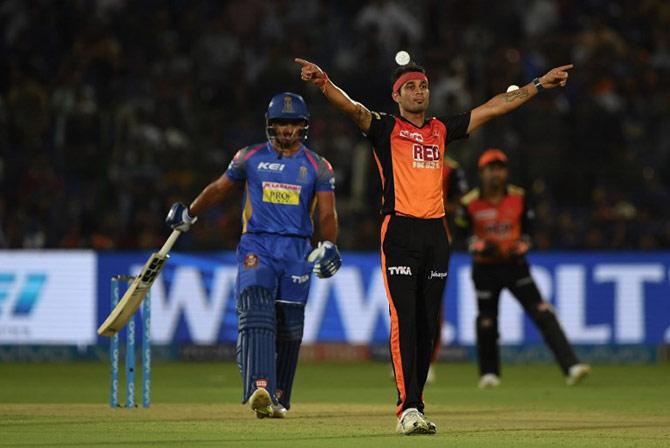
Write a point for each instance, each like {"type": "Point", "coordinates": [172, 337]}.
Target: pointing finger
{"type": "Point", "coordinates": [302, 62]}
{"type": "Point", "coordinates": [565, 67]}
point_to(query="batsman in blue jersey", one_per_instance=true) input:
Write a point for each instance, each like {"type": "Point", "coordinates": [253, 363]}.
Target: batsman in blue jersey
{"type": "Point", "coordinates": [283, 182]}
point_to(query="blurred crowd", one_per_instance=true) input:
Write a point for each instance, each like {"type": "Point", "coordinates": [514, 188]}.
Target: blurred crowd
{"type": "Point", "coordinates": [111, 110]}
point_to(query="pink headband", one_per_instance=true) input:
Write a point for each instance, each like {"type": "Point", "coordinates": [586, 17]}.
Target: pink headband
{"type": "Point", "coordinates": [409, 76]}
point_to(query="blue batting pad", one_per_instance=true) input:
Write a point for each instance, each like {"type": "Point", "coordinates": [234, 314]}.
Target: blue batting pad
{"type": "Point", "coordinates": [290, 324]}
{"type": "Point", "coordinates": [256, 340]}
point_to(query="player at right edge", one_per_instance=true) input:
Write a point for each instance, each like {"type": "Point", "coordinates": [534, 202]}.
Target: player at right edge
{"type": "Point", "coordinates": [498, 217]}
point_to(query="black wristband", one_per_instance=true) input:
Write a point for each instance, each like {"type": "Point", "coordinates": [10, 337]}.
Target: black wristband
{"type": "Point", "coordinates": [538, 85]}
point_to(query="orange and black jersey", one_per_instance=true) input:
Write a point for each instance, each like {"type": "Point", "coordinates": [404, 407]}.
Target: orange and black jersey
{"type": "Point", "coordinates": [410, 160]}
{"type": "Point", "coordinates": [503, 223]}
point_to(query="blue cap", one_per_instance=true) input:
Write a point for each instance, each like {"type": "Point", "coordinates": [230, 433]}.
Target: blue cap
{"type": "Point", "coordinates": [287, 106]}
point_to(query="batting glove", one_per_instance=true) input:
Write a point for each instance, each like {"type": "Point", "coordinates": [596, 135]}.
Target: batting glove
{"type": "Point", "coordinates": [178, 217]}
{"type": "Point", "coordinates": [326, 259]}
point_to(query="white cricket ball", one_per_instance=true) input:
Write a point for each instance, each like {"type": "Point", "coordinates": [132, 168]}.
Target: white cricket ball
{"type": "Point", "coordinates": [512, 88]}
{"type": "Point", "coordinates": [402, 58]}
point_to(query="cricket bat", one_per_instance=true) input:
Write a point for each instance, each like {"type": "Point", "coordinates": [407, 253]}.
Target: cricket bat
{"type": "Point", "coordinates": [131, 300]}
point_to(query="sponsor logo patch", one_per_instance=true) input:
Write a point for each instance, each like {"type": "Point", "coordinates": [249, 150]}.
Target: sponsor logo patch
{"type": "Point", "coordinates": [262, 382]}
{"type": "Point", "coordinates": [302, 174]}
{"type": "Point", "coordinates": [399, 270]}
{"type": "Point", "coordinates": [299, 279]}
{"type": "Point", "coordinates": [288, 105]}
{"type": "Point", "coordinates": [250, 261]}
{"type": "Point", "coordinates": [271, 166]}
{"type": "Point", "coordinates": [490, 213]}
{"type": "Point", "coordinates": [426, 156]}
{"type": "Point", "coordinates": [411, 135]}
{"type": "Point", "coordinates": [278, 193]}
{"type": "Point", "coordinates": [435, 274]}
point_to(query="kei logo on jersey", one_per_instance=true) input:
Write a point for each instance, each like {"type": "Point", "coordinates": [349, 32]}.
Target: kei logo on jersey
{"type": "Point", "coordinates": [271, 166]}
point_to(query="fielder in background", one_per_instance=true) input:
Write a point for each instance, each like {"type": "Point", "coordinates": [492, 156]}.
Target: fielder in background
{"type": "Point", "coordinates": [498, 216]}
{"type": "Point", "coordinates": [414, 245]}
{"type": "Point", "coordinates": [283, 182]}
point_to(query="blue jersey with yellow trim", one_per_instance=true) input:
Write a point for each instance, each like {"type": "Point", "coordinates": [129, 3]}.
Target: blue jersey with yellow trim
{"type": "Point", "coordinates": [279, 195]}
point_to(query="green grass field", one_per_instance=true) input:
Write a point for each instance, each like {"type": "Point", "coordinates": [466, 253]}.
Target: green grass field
{"type": "Point", "coordinates": [336, 405]}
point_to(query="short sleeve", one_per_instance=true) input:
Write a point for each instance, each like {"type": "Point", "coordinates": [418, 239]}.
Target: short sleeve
{"type": "Point", "coordinates": [457, 126]}
{"type": "Point", "coordinates": [237, 168]}
{"type": "Point", "coordinates": [381, 127]}
{"type": "Point", "coordinates": [325, 177]}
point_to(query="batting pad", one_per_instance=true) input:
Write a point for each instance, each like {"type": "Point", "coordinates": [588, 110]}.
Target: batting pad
{"type": "Point", "coordinates": [290, 324]}
{"type": "Point", "coordinates": [256, 340]}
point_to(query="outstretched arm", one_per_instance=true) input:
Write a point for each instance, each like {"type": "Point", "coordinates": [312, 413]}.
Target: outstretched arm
{"type": "Point", "coordinates": [212, 194]}
{"type": "Point", "coordinates": [507, 102]}
{"type": "Point", "coordinates": [360, 114]}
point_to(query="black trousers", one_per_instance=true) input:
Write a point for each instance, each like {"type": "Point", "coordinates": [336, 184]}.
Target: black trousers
{"type": "Point", "coordinates": [489, 280]}
{"type": "Point", "coordinates": [415, 263]}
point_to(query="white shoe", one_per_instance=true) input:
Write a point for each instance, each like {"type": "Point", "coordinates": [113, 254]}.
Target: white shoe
{"type": "Point", "coordinates": [489, 380]}
{"type": "Point", "coordinates": [431, 377]}
{"type": "Point", "coordinates": [577, 373]}
{"type": "Point", "coordinates": [261, 403]}
{"type": "Point", "coordinates": [278, 411]}
{"type": "Point", "coordinates": [432, 427]}
{"type": "Point", "coordinates": [411, 422]}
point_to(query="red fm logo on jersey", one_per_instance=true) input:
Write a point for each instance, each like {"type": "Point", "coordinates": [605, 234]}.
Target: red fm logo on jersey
{"type": "Point", "coordinates": [426, 156]}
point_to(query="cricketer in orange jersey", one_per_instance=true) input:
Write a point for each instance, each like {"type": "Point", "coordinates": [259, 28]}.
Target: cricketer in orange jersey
{"type": "Point", "coordinates": [498, 216]}
{"type": "Point", "coordinates": [408, 149]}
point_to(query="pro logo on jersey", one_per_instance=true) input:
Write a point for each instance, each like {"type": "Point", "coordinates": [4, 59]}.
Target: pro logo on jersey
{"type": "Point", "coordinates": [426, 156]}
{"type": "Point", "coordinates": [278, 193]}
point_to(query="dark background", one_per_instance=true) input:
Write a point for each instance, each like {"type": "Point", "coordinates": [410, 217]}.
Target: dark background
{"type": "Point", "coordinates": [111, 110]}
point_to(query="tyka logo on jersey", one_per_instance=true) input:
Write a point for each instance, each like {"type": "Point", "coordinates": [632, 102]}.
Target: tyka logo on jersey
{"type": "Point", "coordinates": [399, 270]}
{"type": "Point", "coordinates": [426, 156]}
{"type": "Point", "coordinates": [271, 166]}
